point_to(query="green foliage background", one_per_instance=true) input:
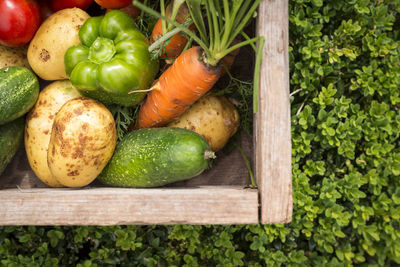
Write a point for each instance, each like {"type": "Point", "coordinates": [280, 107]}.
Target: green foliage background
{"type": "Point", "coordinates": [345, 81]}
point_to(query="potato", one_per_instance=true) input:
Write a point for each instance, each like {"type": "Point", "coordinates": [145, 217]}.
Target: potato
{"type": "Point", "coordinates": [54, 36]}
{"type": "Point", "coordinates": [82, 142]}
{"type": "Point", "coordinates": [213, 117]}
{"type": "Point", "coordinates": [39, 123]}
{"type": "Point", "coordinates": [13, 56]}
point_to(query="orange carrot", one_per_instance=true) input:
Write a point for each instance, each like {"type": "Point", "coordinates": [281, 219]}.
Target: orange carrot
{"type": "Point", "coordinates": [177, 42]}
{"type": "Point", "coordinates": [178, 87]}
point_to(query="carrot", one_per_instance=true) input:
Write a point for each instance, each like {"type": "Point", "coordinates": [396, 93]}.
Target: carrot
{"type": "Point", "coordinates": [178, 11]}
{"type": "Point", "coordinates": [174, 92]}
{"type": "Point", "coordinates": [196, 70]}
{"type": "Point", "coordinates": [185, 66]}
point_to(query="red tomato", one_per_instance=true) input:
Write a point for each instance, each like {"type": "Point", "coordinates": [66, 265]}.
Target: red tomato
{"type": "Point", "coordinates": [19, 21]}
{"type": "Point", "coordinates": [113, 3]}
{"type": "Point", "coordinates": [62, 4]}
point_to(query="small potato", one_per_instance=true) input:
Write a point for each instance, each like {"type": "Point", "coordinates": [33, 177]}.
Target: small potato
{"type": "Point", "coordinates": [13, 56]}
{"type": "Point", "coordinates": [82, 142]}
{"type": "Point", "coordinates": [54, 36]}
{"type": "Point", "coordinates": [213, 117]}
{"type": "Point", "coordinates": [39, 123]}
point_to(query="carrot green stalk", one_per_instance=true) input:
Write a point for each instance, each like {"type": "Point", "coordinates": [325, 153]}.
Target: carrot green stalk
{"type": "Point", "coordinates": [256, 76]}
{"type": "Point", "coordinates": [196, 70]}
{"type": "Point", "coordinates": [163, 24]}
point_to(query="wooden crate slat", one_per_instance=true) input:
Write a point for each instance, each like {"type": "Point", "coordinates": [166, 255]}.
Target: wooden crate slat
{"type": "Point", "coordinates": [122, 206]}
{"type": "Point", "coordinates": [272, 144]}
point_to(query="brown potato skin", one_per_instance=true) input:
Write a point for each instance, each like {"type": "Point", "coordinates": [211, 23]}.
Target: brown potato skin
{"type": "Point", "coordinates": [213, 117]}
{"type": "Point", "coordinates": [39, 123]}
{"type": "Point", "coordinates": [83, 139]}
{"type": "Point", "coordinates": [14, 56]}
{"type": "Point", "coordinates": [54, 36]}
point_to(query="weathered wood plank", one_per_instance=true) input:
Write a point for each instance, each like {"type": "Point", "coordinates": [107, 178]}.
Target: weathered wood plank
{"type": "Point", "coordinates": [272, 141]}
{"type": "Point", "coordinates": [122, 206]}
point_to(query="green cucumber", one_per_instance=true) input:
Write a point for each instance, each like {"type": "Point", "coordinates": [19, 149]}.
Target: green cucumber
{"type": "Point", "coordinates": [155, 157]}
{"type": "Point", "coordinates": [19, 90]}
{"type": "Point", "coordinates": [11, 136]}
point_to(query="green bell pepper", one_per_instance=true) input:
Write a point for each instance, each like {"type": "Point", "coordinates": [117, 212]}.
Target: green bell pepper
{"type": "Point", "coordinates": [113, 60]}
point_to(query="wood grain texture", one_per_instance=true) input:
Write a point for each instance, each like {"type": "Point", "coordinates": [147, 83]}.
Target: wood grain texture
{"type": "Point", "coordinates": [272, 140]}
{"type": "Point", "coordinates": [122, 206]}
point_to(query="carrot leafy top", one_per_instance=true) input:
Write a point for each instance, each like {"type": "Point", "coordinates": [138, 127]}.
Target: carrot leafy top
{"type": "Point", "coordinates": [223, 21]}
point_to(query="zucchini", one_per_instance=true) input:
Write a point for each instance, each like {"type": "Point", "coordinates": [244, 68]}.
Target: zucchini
{"type": "Point", "coordinates": [19, 90]}
{"type": "Point", "coordinates": [157, 156]}
{"type": "Point", "coordinates": [11, 135]}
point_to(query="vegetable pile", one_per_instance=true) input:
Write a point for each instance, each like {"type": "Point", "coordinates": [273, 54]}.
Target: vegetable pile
{"type": "Point", "coordinates": [129, 89]}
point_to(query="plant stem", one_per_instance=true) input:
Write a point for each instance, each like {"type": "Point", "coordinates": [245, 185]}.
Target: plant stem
{"type": "Point", "coordinates": [257, 74]}
{"type": "Point", "coordinates": [175, 9]}
{"type": "Point", "coordinates": [210, 27]}
{"type": "Point", "coordinates": [163, 38]}
{"type": "Point", "coordinates": [217, 33]}
{"type": "Point", "coordinates": [194, 7]}
{"type": "Point", "coordinates": [219, 11]}
{"type": "Point", "coordinates": [238, 45]}
{"type": "Point", "coordinates": [245, 20]}
{"type": "Point", "coordinates": [162, 7]}
{"type": "Point", "coordinates": [248, 38]}
{"type": "Point", "coordinates": [227, 28]}
{"type": "Point", "coordinates": [188, 44]}
{"type": "Point", "coordinates": [246, 161]}
{"type": "Point", "coordinates": [241, 12]}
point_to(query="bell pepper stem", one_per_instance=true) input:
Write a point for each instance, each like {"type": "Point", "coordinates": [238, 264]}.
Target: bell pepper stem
{"type": "Point", "coordinates": [102, 50]}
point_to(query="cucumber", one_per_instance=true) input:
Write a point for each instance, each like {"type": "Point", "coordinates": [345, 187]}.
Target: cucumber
{"type": "Point", "coordinates": [11, 135]}
{"type": "Point", "coordinates": [19, 90]}
{"type": "Point", "coordinates": [155, 157]}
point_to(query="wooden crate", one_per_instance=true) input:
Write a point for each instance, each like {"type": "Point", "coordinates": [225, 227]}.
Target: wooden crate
{"type": "Point", "coordinates": [219, 196]}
